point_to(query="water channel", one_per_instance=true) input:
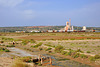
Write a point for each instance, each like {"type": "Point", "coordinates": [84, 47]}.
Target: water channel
{"type": "Point", "coordinates": [58, 61]}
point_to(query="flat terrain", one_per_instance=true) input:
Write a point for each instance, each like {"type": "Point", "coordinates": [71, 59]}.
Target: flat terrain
{"type": "Point", "coordinates": [5, 62]}
{"type": "Point", "coordinates": [88, 43]}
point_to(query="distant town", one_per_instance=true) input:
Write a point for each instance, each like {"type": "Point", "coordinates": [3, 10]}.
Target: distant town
{"type": "Point", "coordinates": [42, 29]}
{"type": "Point", "coordinates": [67, 28]}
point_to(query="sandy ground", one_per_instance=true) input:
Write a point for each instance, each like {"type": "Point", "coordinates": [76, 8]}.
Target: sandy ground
{"type": "Point", "coordinates": [6, 62]}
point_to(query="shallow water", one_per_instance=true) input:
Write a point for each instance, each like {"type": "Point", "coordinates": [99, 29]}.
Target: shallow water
{"type": "Point", "coordinates": [63, 62]}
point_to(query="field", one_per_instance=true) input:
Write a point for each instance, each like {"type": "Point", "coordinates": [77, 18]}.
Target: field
{"type": "Point", "coordinates": [75, 46]}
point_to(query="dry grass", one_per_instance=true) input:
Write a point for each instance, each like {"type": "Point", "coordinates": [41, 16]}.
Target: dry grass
{"type": "Point", "coordinates": [19, 63]}
{"type": "Point", "coordinates": [50, 36]}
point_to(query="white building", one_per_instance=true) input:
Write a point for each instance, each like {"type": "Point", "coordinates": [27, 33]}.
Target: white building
{"type": "Point", "coordinates": [84, 28]}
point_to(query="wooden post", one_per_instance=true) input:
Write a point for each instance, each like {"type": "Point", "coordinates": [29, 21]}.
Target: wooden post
{"type": "Point", "coordinates": [41, 61]}
{"type": "Point", "coordinates": [50, 61]}
{"type": "Point", "coordinates": [39, 57]}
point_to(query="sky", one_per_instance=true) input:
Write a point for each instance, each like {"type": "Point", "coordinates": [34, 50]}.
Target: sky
{"type": "Point", "coordinates": [49, 12]}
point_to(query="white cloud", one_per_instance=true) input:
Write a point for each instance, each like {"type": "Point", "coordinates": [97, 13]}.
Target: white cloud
{"type": "Point", "coordinates": [28, 14]}
{"type": "Point", "coordinates": [10, 3]}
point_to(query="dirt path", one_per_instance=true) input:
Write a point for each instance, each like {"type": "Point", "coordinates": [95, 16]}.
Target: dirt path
{"type": "Point", "coordinates": [70, 40]}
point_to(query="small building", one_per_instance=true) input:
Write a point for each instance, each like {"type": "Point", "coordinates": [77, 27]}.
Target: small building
{"type": "Point", "coordinates": [50, 31]}
{"type": "Point", "coordinates": [35, 31]}
{"type": "Point", "coordinates": [84, 28]}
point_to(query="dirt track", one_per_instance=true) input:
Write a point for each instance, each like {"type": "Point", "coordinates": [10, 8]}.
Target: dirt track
{"type": "Point", "coordinates": [56, 37]}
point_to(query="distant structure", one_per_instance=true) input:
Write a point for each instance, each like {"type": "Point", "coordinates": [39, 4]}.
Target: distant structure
{"type": "Point", "coordinates": [84, 28]}
{"type": "Point", "coordinates": [72, 28]}
{"type": "Point", "coordinates": [68, 27]}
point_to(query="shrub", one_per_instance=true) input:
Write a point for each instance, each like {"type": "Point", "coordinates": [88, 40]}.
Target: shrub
{"type": "Point", "coordinates": [40, 49]}
{"type": "Point", "coordinates": [44, 40]}
{"type": "Point", "coordinates": [69, 53]}
{"type": "Point", "coordinates": [63, 52]}
{"type": "Point", "coordinates": [59, 48]}
{"type": "Point", "coordinates": [39, 44]}
{"type": "Point", "coordinates": [4, 49]}
{"type": "Point", "coordinates": [25, 59]}
{"type": "Point", "coordinates": [83, 56]}
{"type": "Point", "coordinates": [25, 42]}
{"type": "Point", "coordinates": [66, 54]}
{"type": "Point", "coordinates": [88, 52]}
{"type": "Point", "coordinates": [48, 49]}
{"type": "Point", "coordinates": [98, 46]}
{"type": "Point", "coordinates": [72, 39]}
{"type": "Point", "coordinates": [97, 57]}
{"type": "Point", "coordinates": [79, 50]}
{"type": "Point", "coordinates": [32, 41]}
{"type": "Point", "coordinates": [76, 55]}
{"type": "Point", "coordinates": [8, 39]}
{"type": "Point", "coordinates": [10, 45]}
{"type": "Point", "coordinates": [49, 45]}
{"type": "Point", "coordinates": [92, 59]}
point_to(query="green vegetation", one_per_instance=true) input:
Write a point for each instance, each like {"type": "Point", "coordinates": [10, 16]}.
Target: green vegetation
{"type": "Point", "coordinates": [26, 59]}
{"type": "Point", "coordinates": [7, 39]}
{"type": "Point", "coordinates": [94, 58]}
{"type": "Point", "coordinates": [63, 52]}
{"type": "Point", "coordinates": [4, 49]}
{"type": "Point", "coordinates": [59, 48]}
{"type": "Point", "coordinates": [25, 42]}
{"type": "Point", "coordinates": [98, 46]}
{"type": "Point", "coordinates": [49, 45]}
{"type": "Point", "coordinates": [76, 55]}
{"type": "Point", "coordinates": [97, 57]}
{"type": "Point", "coordinates": [40, 49]}
{"type": "Point", "coordinates": [83, 56]}
{"type": "Point", "coordinates": [88, 52]}
{"type": "Point", "coordinates": [10, 45]}
{"type": "Point", "coordinates": [79, 50]}
{"type": "Point", "coordinates": [37, 45]}
{"type": "Point", "coordinates": [48, 49]}
{"type": "Point", "coordinates": [39, 64]}
{"type": "Point", "coordinates": [32, 41]}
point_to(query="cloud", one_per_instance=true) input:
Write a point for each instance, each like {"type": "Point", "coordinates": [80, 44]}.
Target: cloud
{"type": "Point", "coordinates": [10, 3]}
{"type": "Point", "coordinates": [27, 14]}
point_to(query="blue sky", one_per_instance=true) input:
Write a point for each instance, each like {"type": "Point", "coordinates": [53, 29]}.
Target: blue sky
{"type": "Point", "coordinates": [49, 12]}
